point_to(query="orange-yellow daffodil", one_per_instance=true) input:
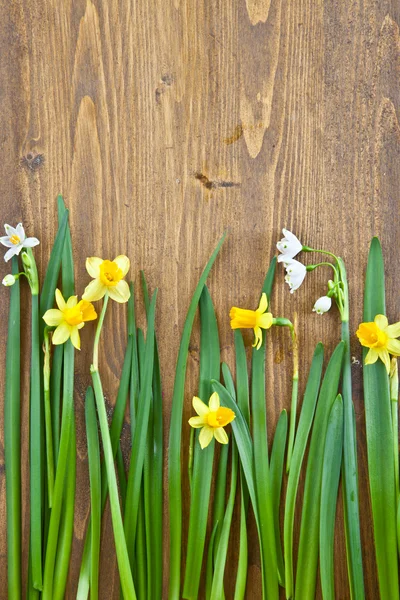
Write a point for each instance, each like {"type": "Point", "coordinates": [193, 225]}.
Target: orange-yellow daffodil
{"type": "Point", "coordinates": [107, 277]}
{"type": "Point", "coordinates": [380, 337]}
{"type": "Point", "coordinates": [242, 318]}
{"type": "Point", "coordinates": [212, 420]}
{"type": "Point", "coordinates": [69, 318]}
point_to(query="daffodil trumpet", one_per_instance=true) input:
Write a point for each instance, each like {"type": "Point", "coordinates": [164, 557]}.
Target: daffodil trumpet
{"type": "Point", "coordinates": [47, 417]}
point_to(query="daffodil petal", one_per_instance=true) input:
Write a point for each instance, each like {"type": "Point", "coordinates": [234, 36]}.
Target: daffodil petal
{"type": "Point", "coordinates": [53, 317]}
{"type": "Point", "coordinates": [258, 338]}
{"type": "Point", "coordinates": [371, 357]}
{"type": "Point", "coordinates": [21, 232]}
{"type": "Point", "coordinates": [75, 338]}
{"type": "Point", "coordinates": [123, 263]}
{"type": "Point", "coordinates": [61, 334]}
{"type": "Point", "coordinates": [385, 358]}
{"type": "Point", "coordinates": [197, 422]}
{"type": "Point", "coordinates": [5, 240]}
{"type": "Point", "coordinates": [262, 307]}
{"type": "Point", "coordinates": [381, 321]}
{"type": "Point", "coordinates": [393, 331]}
{"type": "Point", "coordinates": [265, 320]}
{"type": "Point", "coordinates": [15, 250]}
{"type": "Point", "coordinates": [80, 325]}
{"type": "Point", "coordinates": [60, 300]}
{"type": "Point", "coordinates": [120, 292]}
{"type": "Point", "coordinates": [220, 435]}
{"type": "Point", "coordinates": [72, 301]}
{"type": "Point", "coordinates": [214, 402]}
{"type": "Point", "coordinates": [94, 291]}
{"type": "Point", "coordinates": [205, 437]}
{"type": "Point", "coordinates": [199, 406]}
{"type": "Point", "coordinates": [10, 231]}
{"type": "Point", "coordinates": [30, 242]}
{"type": "Point", "coordinates": [93, 266]}
{"type": "Point", "coordinates": [393, 347]}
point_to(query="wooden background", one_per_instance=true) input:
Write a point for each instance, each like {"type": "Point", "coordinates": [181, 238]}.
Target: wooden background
{"type": "Point", "coordinates": [163, 123]}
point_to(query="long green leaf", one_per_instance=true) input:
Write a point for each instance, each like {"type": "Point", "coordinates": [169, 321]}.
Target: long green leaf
{"type": "Point", "coordinates": [303, 430]}
{"type": "Point", "coordinates": [379, 438]}
{"type": "Point", "coordinates": [329, 491]}
{"type": "Point", "coordinates": [306, 573]}
{"type": "Point", "coordinates": [276, 472]}
{"type": "Point", "coordinates": [203, 458]}
{"type": "Point", "coordinates": [12, 440]}
{"type": "Point", "coordinates": [53, 267]}
{"type": "Point", "coordinates": [175, 434]}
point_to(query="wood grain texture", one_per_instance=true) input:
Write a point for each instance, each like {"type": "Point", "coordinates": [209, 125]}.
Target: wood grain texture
{"type": "Point", "coordinates": [165, 122]}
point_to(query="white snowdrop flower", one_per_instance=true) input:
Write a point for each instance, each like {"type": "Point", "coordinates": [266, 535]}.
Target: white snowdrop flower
{"type": "Point", "coordinates": [322, 305]}
{"type": "Point", "coordinates": [289, 246]}
{"type": "Point", "coordinates": [15, 240]}
{"type": "Point", "coordinates": [9, 280]}
{"type": "Point", "coordinates": [295, 273]}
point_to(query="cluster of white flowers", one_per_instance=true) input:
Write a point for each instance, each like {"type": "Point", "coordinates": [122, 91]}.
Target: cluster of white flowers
{"type": "Point", "coordinates": [289, 246]}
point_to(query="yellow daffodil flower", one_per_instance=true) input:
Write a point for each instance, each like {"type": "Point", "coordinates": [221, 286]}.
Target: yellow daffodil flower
{"type": "Point", "coordinates": [107, 277]}
{"type": "Point", "coordinates": [69, 318]}
{"type": "Point", "coordinates": [252, 319]}
{"type": "Point", "coordinates": [380, 337]}
{"type": "Point", "coordinates": [212, 419]}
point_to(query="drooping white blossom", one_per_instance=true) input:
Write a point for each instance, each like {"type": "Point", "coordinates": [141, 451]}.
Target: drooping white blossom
{"type": "Point", "coordinates": [295, 273]}
{"type": "Point", "coordinates": [288, 246]}
{"type": "Point", "coordinates": [16, 240]}
{"type": "Point", "coordinates": [322, 305]}
{"type": "Point", "coordinates": [9, 280]}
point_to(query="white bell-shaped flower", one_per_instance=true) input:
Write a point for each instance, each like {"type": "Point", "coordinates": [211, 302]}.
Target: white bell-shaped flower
{"type": "Point", "coordinates": [289, 246]}
{"type": "Point", "coordinates": [295, 273]}
{"type": "Point", "coordinates": [322, 305]}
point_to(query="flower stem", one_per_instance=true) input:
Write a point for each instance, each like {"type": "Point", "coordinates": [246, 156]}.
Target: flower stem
{"type": "Point", "coordinates": [349, 465]}
{"type": "Point", "coordinates": [12, 442]}
{"type": "Point", "coordinates": [128, 588]}
{"type": "Point", "coordinates": [119, 537]}
{"type": "Point", "coordinates": [36, 468]}
{"type": "Point", "coordinates": [95, 365]}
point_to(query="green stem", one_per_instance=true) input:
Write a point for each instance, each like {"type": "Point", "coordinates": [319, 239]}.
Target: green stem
{"type": "Point", "coordinates": [12, 441]}
{"type": "Point", "coordinates": [349, 465]}
{"type": "Point", "coordinates": [67, 425]}
{"type": "Point", "coordinates": [119, 536]}
{"type": "Point", "coordinates": [47, 414]}
{"type": "Point", "coordinates": [36, 468]}
{"type": "Point", "coordinates": [95, 491]}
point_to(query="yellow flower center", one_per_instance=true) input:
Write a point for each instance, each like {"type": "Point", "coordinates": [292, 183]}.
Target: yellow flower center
{"type": "Point", "coordinates": [220, 417]}
{"type": "Point", "coordinates": [371, 336]}
{"type": "Point", "coordinates": [14, 239]}
{"type": "Point", "coordinates": [110, 273]}
{"type": "Point", "coordinates": [83, 311]}
{"type": "Point", "coordinates": [73, 316]}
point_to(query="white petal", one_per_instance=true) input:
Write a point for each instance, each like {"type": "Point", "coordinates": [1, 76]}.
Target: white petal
{"type": "Point", "coordinates": [10, 230]}
{"type": "Point", "coordinates": [30, 242]}
{"type": "Point", "coordinates": [12, 252]}
{"type": "Point", "coordinates": [20, 232]}
{"type": "Point", "coordinates": [5, 240]}
{"type": "Point", "coordinates": [322, 305]}
{"type": "Point", "coordinates": [289, 246]}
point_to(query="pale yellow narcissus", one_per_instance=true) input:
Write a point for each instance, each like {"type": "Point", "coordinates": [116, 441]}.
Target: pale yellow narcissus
{"type": "Point", "coordinates": [69, 318]}
{"type": "Point", "coordinates": [212, 419]}
{"type": "Point", "coordinates": [107, 278]}
{"type": "Point", "coordinates": [242, 318]}
{"type": "Point", "coordinates": [380, 338]}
